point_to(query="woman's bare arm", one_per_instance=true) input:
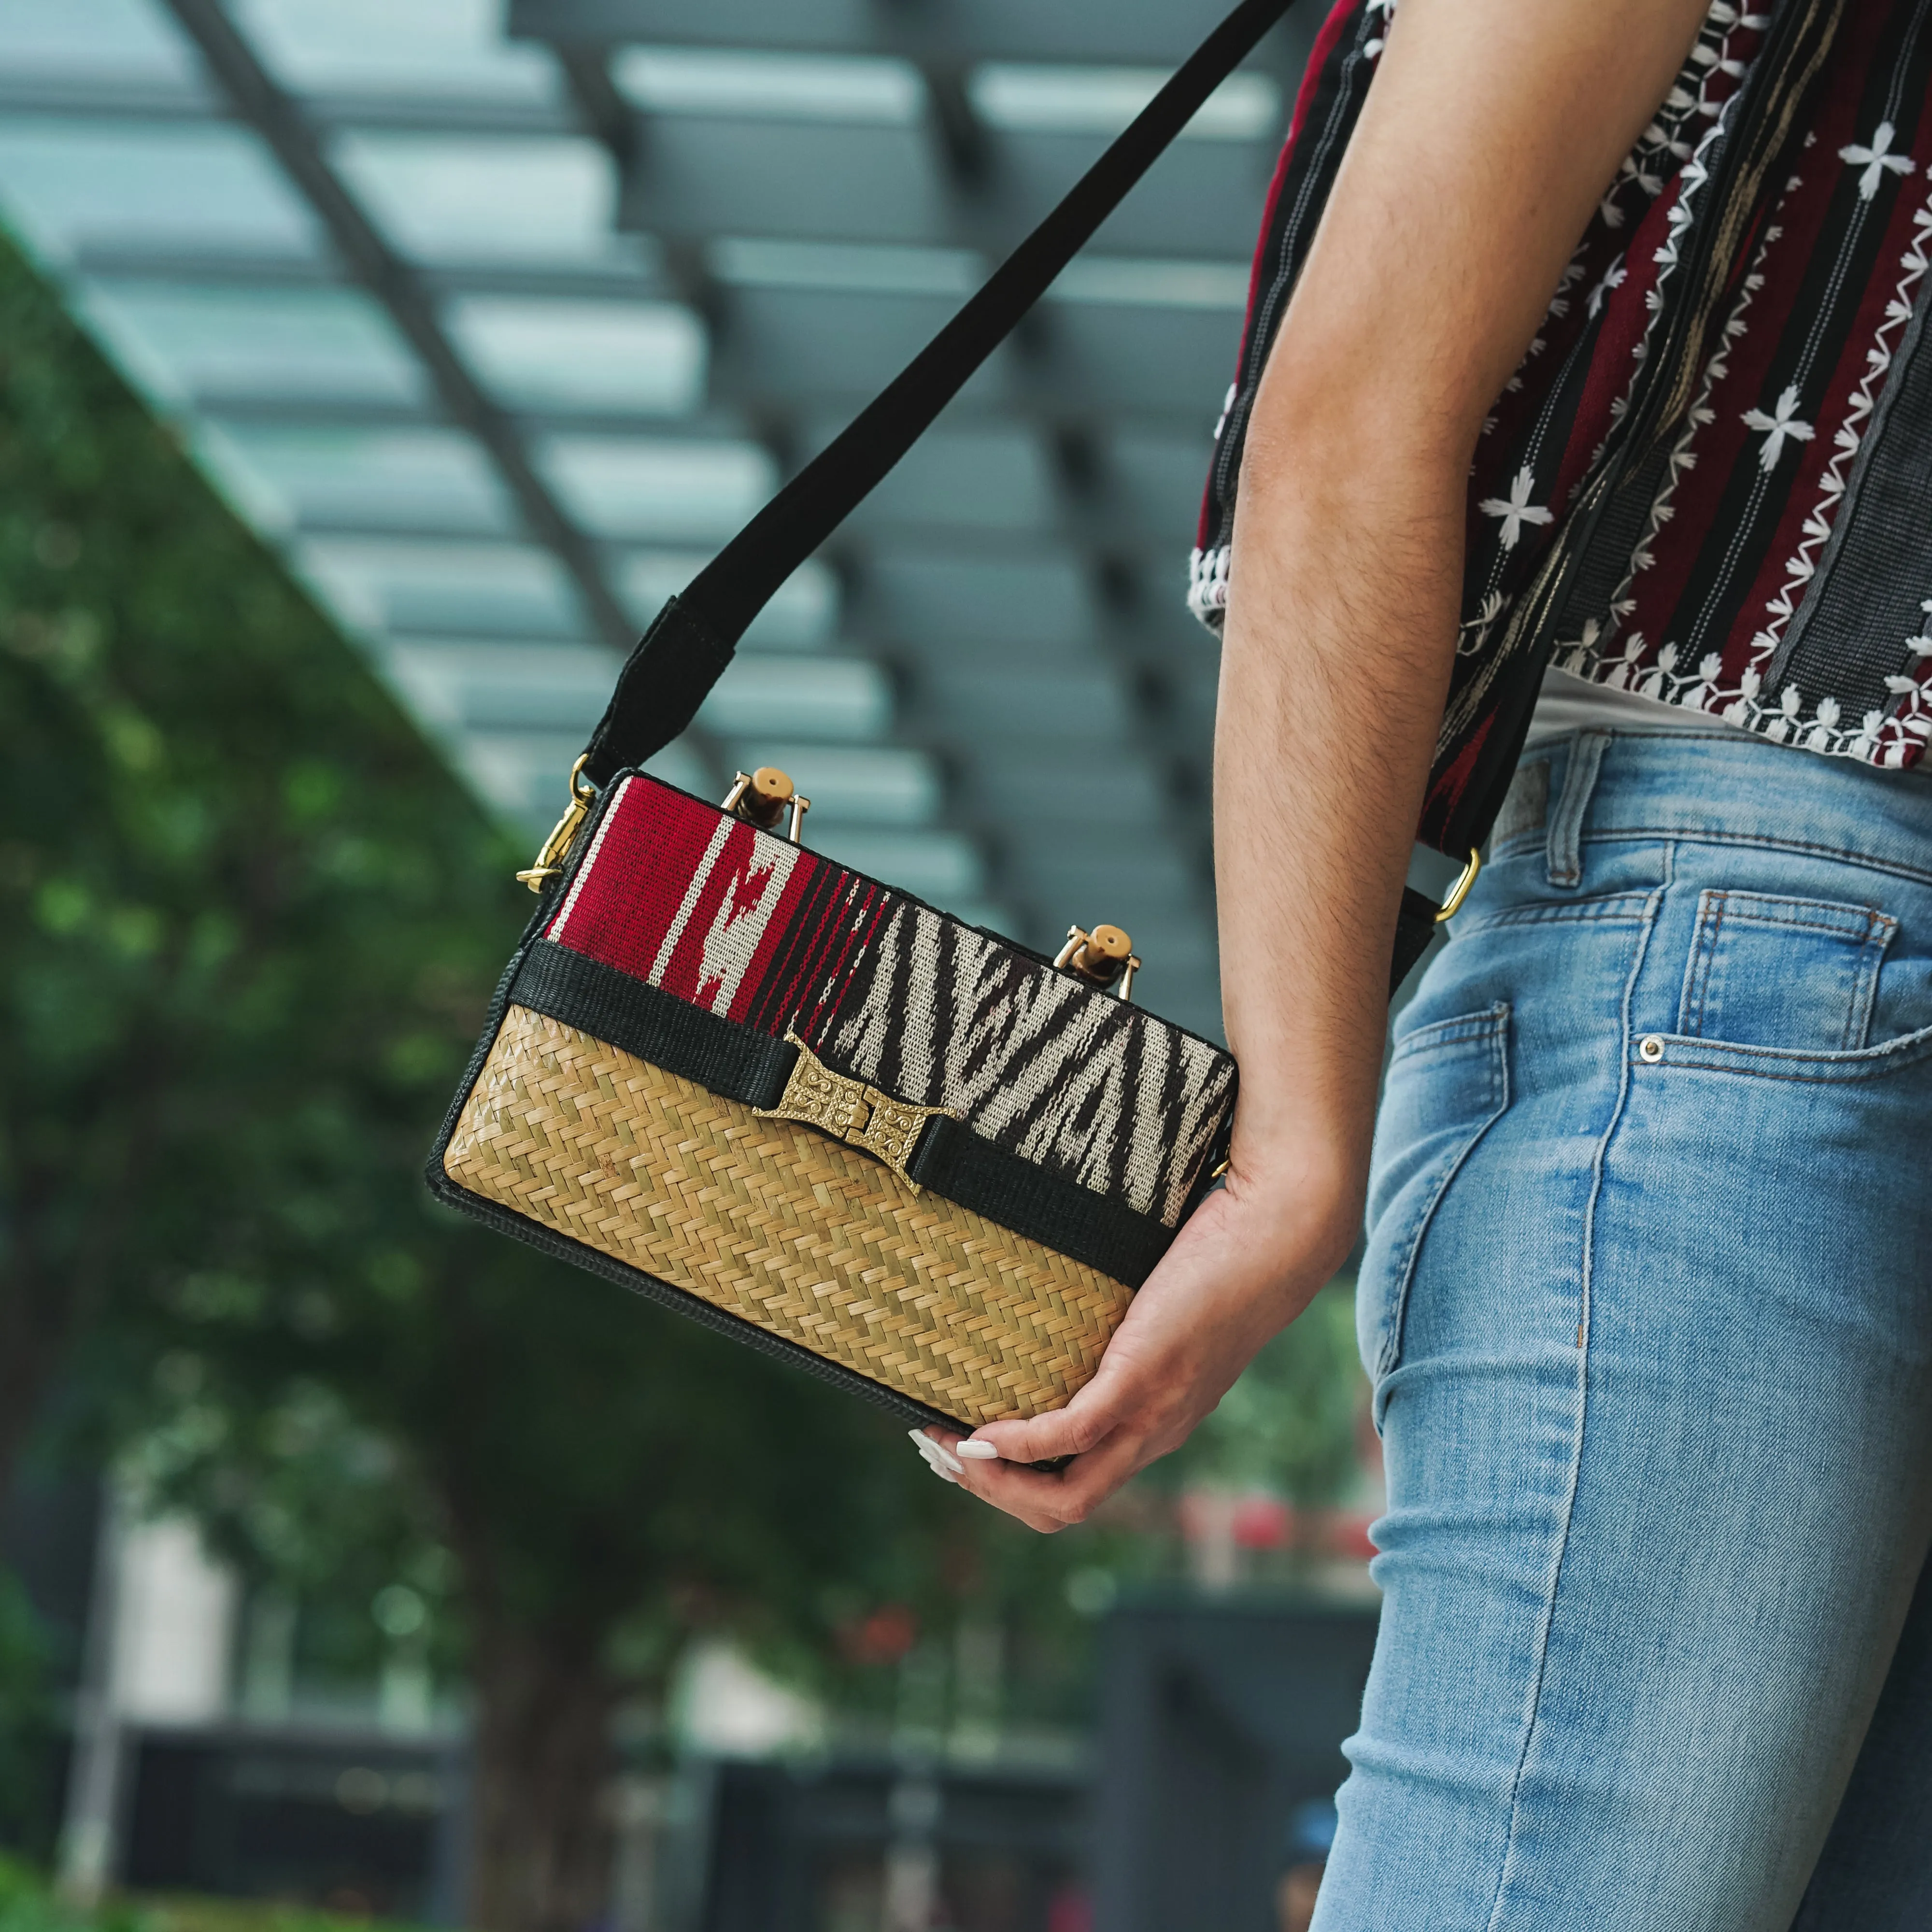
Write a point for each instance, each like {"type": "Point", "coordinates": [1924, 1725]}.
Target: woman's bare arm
{"type": "Point", "coordinates": [1489, 134]}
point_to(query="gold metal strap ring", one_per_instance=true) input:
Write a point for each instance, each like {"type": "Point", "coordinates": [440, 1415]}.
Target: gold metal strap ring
{"type": "Point", "coordinates": [1458, 892]}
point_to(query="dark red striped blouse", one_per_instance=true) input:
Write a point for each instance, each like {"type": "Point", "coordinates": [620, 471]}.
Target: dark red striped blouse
{"type": "Point", "coordinates": [1778, 572]}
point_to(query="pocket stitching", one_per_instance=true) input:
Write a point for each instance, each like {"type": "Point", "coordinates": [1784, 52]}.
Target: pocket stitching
{"type": "Point", "coordinates": [1613, 906]}
{"type": "Point", "coordinates": [1864, 993]}
{"type": "Point", "coordinates": [1492, 1026]}
{"type": "Point", "coordinates": [1715, 910]}
{"type": "Point", "coordinates": [1866, 916]}
{"type": "Point", "coordinates": [1463, 1030]}
{"type": "Point", "coordinates": [1827, 1069]}
{"type": "Point", "coordinates": [1711, 908]}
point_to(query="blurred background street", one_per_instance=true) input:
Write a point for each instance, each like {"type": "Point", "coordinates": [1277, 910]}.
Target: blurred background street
{"type": "Point", "coordinates": [369, 375]}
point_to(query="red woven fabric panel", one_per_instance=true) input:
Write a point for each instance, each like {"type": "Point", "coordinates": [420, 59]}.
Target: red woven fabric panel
{"type": "Point", "coordinates": [675, 894]}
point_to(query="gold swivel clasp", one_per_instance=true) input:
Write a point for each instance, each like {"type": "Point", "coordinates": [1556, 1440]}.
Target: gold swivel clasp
{"type": "Point", "coordinates": [762, 797]}
{"type": "Point", "coordinates": [1104, 957]}
{"type": "Point", "coordinates": [549, 861]}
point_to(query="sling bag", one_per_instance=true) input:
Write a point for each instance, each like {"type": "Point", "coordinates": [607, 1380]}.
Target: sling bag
{"type": "Point", "coordinates": [907, 1153]}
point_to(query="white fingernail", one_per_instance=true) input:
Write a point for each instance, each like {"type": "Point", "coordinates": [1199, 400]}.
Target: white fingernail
{"type": "Point", "coordinates": [930, 1454]}
{"type": "Point", "coordinates": [946, 1460]}
{"type": "Point", "coordinates": [976, 1452]}
{"type": "Point", "coordinates": [935, 1458]}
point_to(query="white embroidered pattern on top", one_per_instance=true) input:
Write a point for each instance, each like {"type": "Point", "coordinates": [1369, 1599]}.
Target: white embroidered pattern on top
{"type": "Point", "coordinates": [1666, 139]}
{"type": "Point", "coordinates": [1869, 739]}
{"type": "Point", "coordinates": [1876, 160]}
{"type": "Point", "coordinates": [1516, 510]}
{"type": "Point", "coordinates": [1207, 583]}
{"type": "Point", "coordinates": [1781, 425]}
{"type": "Point", "coordinates": [1874, 738]}
{"type": "Point", "coordinates": [1373, 49]}
{"type": "Point", "coordinates": [1585, 655]}
{"type": "Point", "coordinates": [1912, 720]}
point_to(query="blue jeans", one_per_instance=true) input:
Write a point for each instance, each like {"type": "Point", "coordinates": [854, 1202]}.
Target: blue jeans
{"type": "Point", "coordinates": [1647, 1304]}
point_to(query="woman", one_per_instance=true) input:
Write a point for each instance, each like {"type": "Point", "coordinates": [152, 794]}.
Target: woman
{"type": "Point", "coordinates": [1644, 1299]}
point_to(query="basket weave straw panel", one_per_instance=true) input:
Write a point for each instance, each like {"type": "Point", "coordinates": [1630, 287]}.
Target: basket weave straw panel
{"type": "Point", "coordinates": [806, 1238]}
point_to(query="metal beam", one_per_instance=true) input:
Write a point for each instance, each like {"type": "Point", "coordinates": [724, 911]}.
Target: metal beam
{"type": "Point", "coordinates": [603, 112]}
{"type": "Point", "coordinates": [1145, 33]}
{"type": "Point", "coordinates": [264, 105]}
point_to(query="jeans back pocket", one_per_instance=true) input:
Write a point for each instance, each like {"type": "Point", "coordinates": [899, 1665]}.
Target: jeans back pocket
{"type": "Point", "coordinates": [1799, 974]}
{"type": "Point", "coordinates": [1446, 1084]}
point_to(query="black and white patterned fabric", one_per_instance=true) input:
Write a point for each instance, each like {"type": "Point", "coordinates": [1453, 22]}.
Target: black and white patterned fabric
{"type": "Point", "coordinates": [1082, 1083]}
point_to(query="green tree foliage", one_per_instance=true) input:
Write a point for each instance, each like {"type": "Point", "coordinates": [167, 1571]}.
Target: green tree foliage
{"type": "Point", "coordinates": [28, 1904]}
{"type": "Point", "coordinates": [248, 926]}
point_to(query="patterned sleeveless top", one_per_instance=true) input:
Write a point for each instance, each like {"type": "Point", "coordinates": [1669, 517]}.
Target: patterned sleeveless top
{"type": "Point", "coordinates": [1710, 481]}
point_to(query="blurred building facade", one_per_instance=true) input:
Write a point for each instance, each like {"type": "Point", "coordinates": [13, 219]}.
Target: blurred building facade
{"type": "Point", "coordinates": [200, 1758]}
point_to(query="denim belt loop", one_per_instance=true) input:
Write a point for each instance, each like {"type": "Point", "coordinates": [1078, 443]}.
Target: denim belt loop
{"type": "Point", "coordinates": [1566, 822]}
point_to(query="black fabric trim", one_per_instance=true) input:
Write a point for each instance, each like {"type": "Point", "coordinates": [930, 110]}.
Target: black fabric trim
{"type": "Point", "coordinates": [663, 681]}
{"type": "Point", "coordinates": [1415, 927]}
{"type": "Point", "coordinates": [954, 1161]}
{"type": "Point", "coordinates": [719, 1055]}
{"type": "Point", "coordinates": [742, 1064]}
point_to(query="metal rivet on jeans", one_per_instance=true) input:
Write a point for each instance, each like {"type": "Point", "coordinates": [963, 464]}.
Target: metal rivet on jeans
{"type": "Point", "coordinates": [1650, 1048]}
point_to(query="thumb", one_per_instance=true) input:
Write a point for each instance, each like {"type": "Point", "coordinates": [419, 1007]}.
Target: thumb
{"type": "Point", "coordinates": [1084, 1424]}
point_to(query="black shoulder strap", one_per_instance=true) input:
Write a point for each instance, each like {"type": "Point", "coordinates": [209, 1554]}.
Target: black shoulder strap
{"type": "Point", "coordinates": [685, 652]}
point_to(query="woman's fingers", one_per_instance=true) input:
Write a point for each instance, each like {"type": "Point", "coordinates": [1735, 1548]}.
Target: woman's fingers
{"type": "Point", "coordinates": [1055, 1499]}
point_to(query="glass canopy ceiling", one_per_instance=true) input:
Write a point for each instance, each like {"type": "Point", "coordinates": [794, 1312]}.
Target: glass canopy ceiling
{"type": "Point", "coordinates": [497, 325]}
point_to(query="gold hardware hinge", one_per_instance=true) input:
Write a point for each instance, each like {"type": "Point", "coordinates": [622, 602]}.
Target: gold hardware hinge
{"type": "Point", "coordinates": [549, 862]}
{"type": "Point", "coordinates": [1105, 957]}
{"type": "Point", "coordinates": [850, 1111]}
{"type": "Point", "coordinates": [761, 798]}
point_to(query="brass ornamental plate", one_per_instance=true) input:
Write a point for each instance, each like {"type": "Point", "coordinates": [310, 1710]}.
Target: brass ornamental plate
{"type": "Point", "coordinates": [850, 1111]}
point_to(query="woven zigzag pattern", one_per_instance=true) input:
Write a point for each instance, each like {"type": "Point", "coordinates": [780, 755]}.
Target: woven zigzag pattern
{"type": "Point", "coordinates": [804, 1238]}
{"type": "Point", "coordinates": [1086, 1085]}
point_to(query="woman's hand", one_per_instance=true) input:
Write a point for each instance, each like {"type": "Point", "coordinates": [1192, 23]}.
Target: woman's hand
{"type": "Point", "coordinates": [1244, 1265]}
